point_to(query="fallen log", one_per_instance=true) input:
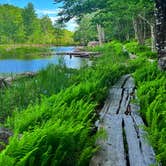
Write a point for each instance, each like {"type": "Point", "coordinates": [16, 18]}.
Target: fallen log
{"type": "Point", "coordinates": [27, 74]}
{"type": "Point", "coordinates": [3, 83]}
{"type": "Point", "coordinates": [79, 54]}
{"type": "Point", "coordinates": [7, 81]}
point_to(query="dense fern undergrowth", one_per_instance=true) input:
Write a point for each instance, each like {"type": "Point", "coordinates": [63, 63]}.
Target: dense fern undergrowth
{"type": "Point", "coordinates": [151, 84]}
{"type": "Point", "coordinates": [52, 115]}
{"type": "Point", "coordinates": [151, 92]}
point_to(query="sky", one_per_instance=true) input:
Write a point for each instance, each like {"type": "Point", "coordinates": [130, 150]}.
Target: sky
{"type": "Point", "coordinates": [42, 7]}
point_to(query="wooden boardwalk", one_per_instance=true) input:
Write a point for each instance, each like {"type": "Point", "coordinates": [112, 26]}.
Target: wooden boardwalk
{"type": "Point", "coordinates": [126, 143]}
{"type": "Point", "coordinates": [83, 54]}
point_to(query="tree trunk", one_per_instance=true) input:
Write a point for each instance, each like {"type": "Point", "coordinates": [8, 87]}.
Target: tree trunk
{"type": "Point", "coordinates": [161, 32]}
{"type": "Point", "coordinates": [139, 30]}
{"type": "Point", "coordinates": [153, 42]}
{"type": "Point", "coordinates": [101, 34]}
{"type": "Point", "coordinates": [152, 30]}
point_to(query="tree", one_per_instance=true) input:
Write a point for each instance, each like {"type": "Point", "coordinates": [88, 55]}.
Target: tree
{"type": "Point", "coordinates": [29, 19]}
{"type": "Point", "coordinates": [119, 18]}
{"type": "Point", "coordinates": [87, 33]}
{"type": "Point", "coordinates": [59, 31]}
{"type": "Point", "coordinates": [47, 30]}
{"type": "Point", "coordinates": [11, 24]}
{"type": "Point", "coordinates": [19, 25]}
{"type": "Point", "coordinates": [161, 32]}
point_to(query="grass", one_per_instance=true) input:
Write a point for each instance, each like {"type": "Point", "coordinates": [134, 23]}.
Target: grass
{"type": "Point", "coordinates": [52, 115]}
{"type": "Point", "coordinates": [30, 90]}
{"type": "Point", "coordinates": [140, 50]}
{"type": "Point", "coordinates": [151, 91]}
{"type": "Point", "coordinates": [23, 52]}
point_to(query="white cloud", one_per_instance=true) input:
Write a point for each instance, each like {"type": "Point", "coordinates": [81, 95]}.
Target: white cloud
{"type": "Point", "coordinates": [72, 25]}
{"type": "Point", "coordinates": [53, 19]}
{"type": "Point", "coordinates": [47, 11]}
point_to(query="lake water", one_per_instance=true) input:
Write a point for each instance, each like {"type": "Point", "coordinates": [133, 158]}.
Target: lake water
{"type": "Point", "coordinates": [33, 65]}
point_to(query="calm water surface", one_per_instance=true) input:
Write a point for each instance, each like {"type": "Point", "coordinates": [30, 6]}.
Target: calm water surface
{"type": "Point", "coordinates": [33, 65]}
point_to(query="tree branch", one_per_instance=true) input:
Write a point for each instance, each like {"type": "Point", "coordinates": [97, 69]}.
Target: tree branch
{"type": "Point", "coordinates": [143, 18]}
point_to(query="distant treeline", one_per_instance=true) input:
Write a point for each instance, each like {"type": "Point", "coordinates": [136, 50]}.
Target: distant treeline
{"type": "Point", "coordinates": [19, 25]}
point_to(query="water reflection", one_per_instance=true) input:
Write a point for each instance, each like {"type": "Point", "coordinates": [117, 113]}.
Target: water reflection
{"type": "Point", "coordinates": [33, 65]}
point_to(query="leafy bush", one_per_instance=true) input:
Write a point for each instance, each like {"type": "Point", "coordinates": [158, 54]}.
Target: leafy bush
{"type": "Point", "coordinates": [148, 54]}
{"type": "Point", "coordinates": [140, 50]}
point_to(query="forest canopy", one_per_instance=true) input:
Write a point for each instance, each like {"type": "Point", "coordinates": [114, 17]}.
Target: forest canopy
{"type": "Point", "coordinates": [23, 26]}
{"type": "Point", "coordinates": [122, 20]}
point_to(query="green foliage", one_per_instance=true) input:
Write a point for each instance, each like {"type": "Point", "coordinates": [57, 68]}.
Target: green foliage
{"type": "Point", "coordinates": [23, 52]}
{"type": "Point", "coordinates": [117, 17]}
{"type": "Point", "coordinates": [57, 130]}
{"type": "Point", "coordinates": [87, 33]}
{"type": "Point", "coordinates": [19, 25]}
{"type": "Point", "coordinates": [26, 91]}
{"type": "Point", "coordinates": [151, 84]}
{"type": "Point", "coordinates": [140, 50]}
{"type": "Point", "coordinates": [11, 24]}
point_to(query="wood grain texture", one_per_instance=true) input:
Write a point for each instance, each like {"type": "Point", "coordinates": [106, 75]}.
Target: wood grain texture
{"type": "Point", "coordinates": [126, 142]}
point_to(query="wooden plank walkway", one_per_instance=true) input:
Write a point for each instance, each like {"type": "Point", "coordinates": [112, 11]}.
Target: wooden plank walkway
{"type": "Point", "coordinates": [126, 143]}
{"type": "Point", "coordinates": [79, 54]}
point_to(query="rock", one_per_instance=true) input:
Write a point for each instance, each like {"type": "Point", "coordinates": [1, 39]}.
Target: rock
{"type": "Point", "coordinates": [93, 43]}
{"type": "Point", "coordinates": [79, 48]}
{"type": "Point", "coordinates": [3, 83]}
{"type": "Point", "coordinates": [4, 137]}
{"type": "Point", "coordinates": [9, 80]}
{"type": "Point", "coordinates": [28, 74]}
{"type": "Point", "coordinates": [162, 63]}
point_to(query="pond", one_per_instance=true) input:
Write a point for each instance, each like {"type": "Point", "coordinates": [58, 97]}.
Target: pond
{"type": "Point", "coordinates": [33, 65]}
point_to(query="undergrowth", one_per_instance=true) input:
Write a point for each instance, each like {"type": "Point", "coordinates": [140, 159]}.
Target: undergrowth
{"type": "Point", "coordinates": [151, 84]}
{"type": "Point", "coordinates": [56, 128]}
{"type": "Point", "coordinates": [140, 50]}
{"type": "Point", "coordinates": [29, 90]}
{"type": "Point", "coordinates": [52, 115]}
{"type": "Point", "coordinates": [23, 52]}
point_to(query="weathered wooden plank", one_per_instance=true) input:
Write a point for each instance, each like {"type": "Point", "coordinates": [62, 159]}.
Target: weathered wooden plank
{"type": "Point", "coordinates": [125, 102]}
{"type": "Point", "coordinates": [115, 97]}
{"type": "Point", "coordinates": [103, 111]}
{"type": "Point", "coordinates": [121, 81]}
{"type": "Point", "coordinates": [126, 142]}
{"type": "Point", "coordinates": [112, 148]}
{"type": "Point", "coordinates": [79, 54]}
{"type": "Point", "coordinates": [129, 84]}
{"type": "Point", "coordinates": [116, 155]}
{"type": "Point", "coordinates": [134, 151]}
{"type": "Point", "coordinates": [147, 150]}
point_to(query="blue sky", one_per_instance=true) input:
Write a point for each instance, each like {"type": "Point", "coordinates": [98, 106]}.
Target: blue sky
{"type": "Point", "coordinates": [42, 7]}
